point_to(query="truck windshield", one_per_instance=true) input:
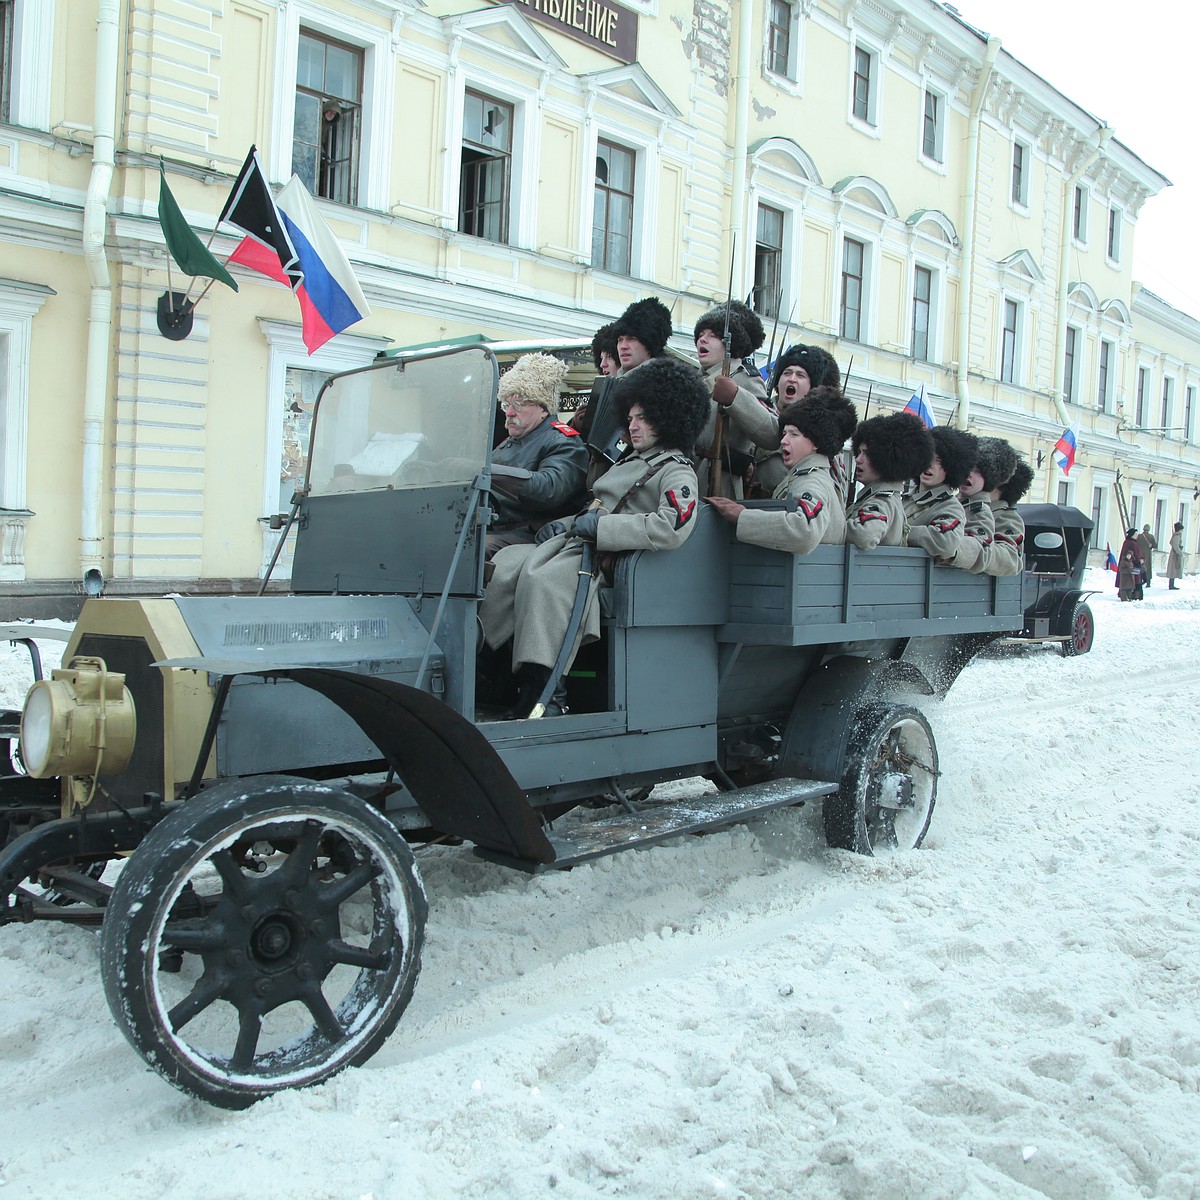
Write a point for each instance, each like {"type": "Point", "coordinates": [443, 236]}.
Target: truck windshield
{"type": "Point", "coordinates": [402, 425]}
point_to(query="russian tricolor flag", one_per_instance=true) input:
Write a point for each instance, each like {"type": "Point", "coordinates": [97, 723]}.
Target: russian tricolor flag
{"type": "Point", "coordinates": [919, 408]}
{"type": "Point", "coordinates": [1110, 563]}
{"type": "Point", "coordinates": [326, 289]}
{"type": "Point", "coordinates": [1064, 449]}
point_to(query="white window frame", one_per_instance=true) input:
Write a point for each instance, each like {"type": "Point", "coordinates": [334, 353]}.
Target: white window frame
{"type": "Point", "coordinates": [1139, 418]}
{"type": "Point", "coordinates": [1104, 402]}
{"type": "Point", "coordinates": [936, 287]}
{"type": "Point", "coordinates": [1020, 203]}
{"type": "Point", "coordinates": [1166, 411]}
{"type": "Point", "coordinates": [645, 194]}
{"type": "Point", "coordinates": [866, 321]}
{"type": "Point", "coordinates": [1190, 395]}
{"type": "Point", "coordinates": [1080, 237]}
{"type": "Point", "coordinates": [32, 64]}
{"type": "Point", "coordinates": [790, 82]}
{"type": "Point", "coordinates": [1113, 235]}
{"type": "Point", "coordinates": [19, 304]}
{"type": "Point", "coordinates": [1071, 383]}
{"type": "Point", "coordinates": [938, 161]}
{"type": "Point", "coordinates": [1018, 379]}
{"type": "Point", "coordinates": [522, 214]}
{"type": "Point", "coordinates": [378, 92]}
{"type": "Point", "coordinates": [871, 123]}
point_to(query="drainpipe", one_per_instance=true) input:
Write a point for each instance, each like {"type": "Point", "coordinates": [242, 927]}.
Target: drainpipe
{"type": "Point", "coordinates": [1064, 280]}
{"type": "Point", "coordinates": [966, 288]}
{"type": "Point", "coordinates": [741, 141]}
{"type": "Point", "coordinates": [97, 367]}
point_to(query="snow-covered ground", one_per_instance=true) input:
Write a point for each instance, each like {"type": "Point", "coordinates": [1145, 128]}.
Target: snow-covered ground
{"type": "Point", "coordinates": [1012, 1011]}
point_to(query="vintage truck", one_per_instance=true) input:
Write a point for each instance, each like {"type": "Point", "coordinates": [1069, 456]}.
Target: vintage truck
{"type": "Point", "coordinates": [231, 787]}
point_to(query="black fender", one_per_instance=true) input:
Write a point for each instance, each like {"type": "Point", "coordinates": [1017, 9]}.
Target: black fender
{"type": "Point", "coordinates": [451, 769]}
{"type": "Point", "coordinates": [1058, 607]}
{"type": "Point", "coordinates": [823, 714]}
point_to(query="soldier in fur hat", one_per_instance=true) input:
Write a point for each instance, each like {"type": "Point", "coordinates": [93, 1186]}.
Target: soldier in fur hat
{"type": "Point", "coordinates": [935, 516]}
{"type": "Point", "coordinates": [1006, 555]}
{"type": "Point", "coordinates": [643, 331]}
{"type": "Point", "coordinates": [647, 501]}
{"type": "Point", "coordinates": [740, 402]}
{"type": "Point", "coordinates": [604, 349]}
{"type": "Point", "coordinates": [889, 452]}
{"type": "Point", "coordinates": [812, 431]}
{"type": "Point", "coordinates": [796, 372]}
{"type": "Point", "coordinates": [995, 461]}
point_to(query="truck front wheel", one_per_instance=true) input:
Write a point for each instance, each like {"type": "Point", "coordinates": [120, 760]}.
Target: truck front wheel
{"type": "Point", "coordinates": [889, 785]}
{"type": "Point", "coordinates": [264, 935]}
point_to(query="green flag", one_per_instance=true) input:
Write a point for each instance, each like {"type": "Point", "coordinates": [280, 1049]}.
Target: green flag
{"type": "Point", "coordinates": [188, 251]}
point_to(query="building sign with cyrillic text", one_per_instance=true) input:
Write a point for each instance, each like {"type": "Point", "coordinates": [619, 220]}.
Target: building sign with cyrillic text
{"type": "Point", "coordinates": [598, 23]}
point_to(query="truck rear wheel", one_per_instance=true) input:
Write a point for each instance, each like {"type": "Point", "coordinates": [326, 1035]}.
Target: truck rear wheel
{"type": "Point", "coordinates": [889, 786]}
{"type": "Point", "coordinates": [264, 935]}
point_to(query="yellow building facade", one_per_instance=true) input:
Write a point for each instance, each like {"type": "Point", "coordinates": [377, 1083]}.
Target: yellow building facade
{"type": "Point", "coordinates": [881, 178]}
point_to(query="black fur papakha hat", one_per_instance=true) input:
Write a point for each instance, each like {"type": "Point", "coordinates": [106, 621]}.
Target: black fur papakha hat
{"type": "Point", "coordinates": [996, 462]}
{"type": "Point", "coordinates": [674, 399]}
{"type": "Point", "coordinates": [821, 368]}
{"type": "Point", "coordinates": [1018, 484]}
{"type": "Point", "coordinates": [957, 451]}
{"type": "Point", "coordinates": [819, 420]}
{"type": "Point", "coordinates": [746, 333]}
{"type": "Point", "coordinates": [604, 339]}
{"type": "Point", "coordinates": [647, 320]}
{"type": "Point", "coordinates": [840, 407]}
{"type": "Point", "coordinates": [899, 446]}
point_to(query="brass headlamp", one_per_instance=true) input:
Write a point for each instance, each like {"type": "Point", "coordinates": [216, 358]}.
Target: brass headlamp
{"type": "Point", "coordinates": [78, 722]}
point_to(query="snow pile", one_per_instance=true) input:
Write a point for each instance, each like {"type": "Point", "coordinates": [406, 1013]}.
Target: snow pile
{"type": "Point", "coordinates": [1012, 1011]}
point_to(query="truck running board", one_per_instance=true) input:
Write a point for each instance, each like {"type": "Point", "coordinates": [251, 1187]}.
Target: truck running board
{"type": "Point", "coordinates": [656, 823]}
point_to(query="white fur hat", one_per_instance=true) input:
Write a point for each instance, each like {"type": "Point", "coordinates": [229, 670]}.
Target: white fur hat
{"type": "Point", "coordinates": [536, 378]}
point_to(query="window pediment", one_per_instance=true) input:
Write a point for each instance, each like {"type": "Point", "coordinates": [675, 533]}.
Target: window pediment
{"type": "Point", "coordinates": [867, 192]}
{"type": "Point", "coordinates": [1022, 263]}
{"type": "Point", "coordinates": [633, 83]}
{"type": "Point", "coordinates": [506, 27]}
{"type": "Point", "coordinates": [935, 224]}
{"type": "Point", "coordinates": [786, 156]}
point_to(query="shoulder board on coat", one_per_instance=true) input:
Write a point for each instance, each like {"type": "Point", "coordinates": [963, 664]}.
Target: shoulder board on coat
{"type": "Point", "coordinates": [562, 427]}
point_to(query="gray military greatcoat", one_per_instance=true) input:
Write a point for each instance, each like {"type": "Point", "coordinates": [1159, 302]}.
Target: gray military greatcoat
{"type": "Point", "coordinates": [750, 422]}
{"type": "Point", "coordinates": [1006, 554]}
{"type": "Point", "coordinates": [876, 518]}
{"type": "Point", "coordinates": [819, 515]}
{"type": "Point", "coordinates": [934, 521]}
{"type": "Point", "coordinates": [533, 589]}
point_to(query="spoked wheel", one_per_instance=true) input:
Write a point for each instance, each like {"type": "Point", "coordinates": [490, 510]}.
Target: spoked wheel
{"type": "Point", "coordinates": [1083, 631]}
{"type": "Point", "coordinates": [264, 935]}
{"type": "Point", "coordinates": [889, 785]}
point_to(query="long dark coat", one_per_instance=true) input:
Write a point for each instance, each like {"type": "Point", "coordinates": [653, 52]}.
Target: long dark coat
{"type": "Point", "coordinates": [1129, 570]}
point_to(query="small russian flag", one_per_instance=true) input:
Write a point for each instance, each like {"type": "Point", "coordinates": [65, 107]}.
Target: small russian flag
{"type": "Point", "coordinates": [766, 371]}
{"type": "Point", "coordinates": [1064, 449]}
{"type": "Point", "coordinates": [1110, 563]}
{"type": "Point", "coordinates": [919, 408]}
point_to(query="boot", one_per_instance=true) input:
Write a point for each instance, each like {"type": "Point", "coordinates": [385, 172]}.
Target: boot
{"type": "Point", "coordinates": [531, 678]}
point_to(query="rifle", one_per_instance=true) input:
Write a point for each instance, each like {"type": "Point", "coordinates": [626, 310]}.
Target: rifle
{"type": "Point", "coordinates": [716, 470]}
{"type": "Point", "coordinates": [866, 411]}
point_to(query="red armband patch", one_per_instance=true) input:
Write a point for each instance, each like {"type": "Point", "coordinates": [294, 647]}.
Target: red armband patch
{"type": "Point", "coordinates": [567, 429]}
{"type": "Point", "coordinates": [946, 524]}
{"type": "Point", "coordinates": [809, 505]}
{"type": "Point", "coordinates": [865, 515]}
{"type": "Point", "coordinates": [683, 512]}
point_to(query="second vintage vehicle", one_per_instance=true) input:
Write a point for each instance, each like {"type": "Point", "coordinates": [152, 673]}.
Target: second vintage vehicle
{"type": "Point", "coordinates": [261, 766]}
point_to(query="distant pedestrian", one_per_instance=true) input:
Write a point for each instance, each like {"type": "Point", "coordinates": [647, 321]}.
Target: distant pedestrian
{"type": "Point", "coordinates": [1129, 567]}
{"type": "Point", "coordinates": [1175, 557]}
{"type": "Point", "coordinates": [1147, 544]}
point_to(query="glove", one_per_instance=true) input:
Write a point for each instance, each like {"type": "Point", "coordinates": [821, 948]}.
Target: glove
{"type": "Point", "coordinates": [724, 390]}
{"type": "Point", "coordinates": [586, 523]}
{"type": "Point", "coordinates": [509, 481]}
{"type": "Point", "coordinates": [549, 530]}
